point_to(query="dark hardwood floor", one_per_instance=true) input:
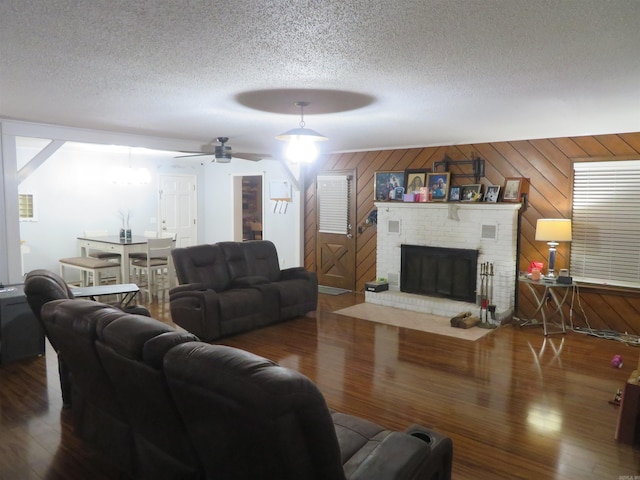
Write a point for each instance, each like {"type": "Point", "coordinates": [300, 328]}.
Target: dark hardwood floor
{"type": "Point", "coordinates": [517, 405]}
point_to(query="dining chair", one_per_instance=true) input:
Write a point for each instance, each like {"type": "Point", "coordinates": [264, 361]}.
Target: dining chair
{"type": "Point", "coordinates": [99, 254]}
{"type": "Point", "coordinates": [142, 255]}
{"type": "Point", "coordinates": [153, 273]}
{"type": "Point", "coordinates": [102, 255]}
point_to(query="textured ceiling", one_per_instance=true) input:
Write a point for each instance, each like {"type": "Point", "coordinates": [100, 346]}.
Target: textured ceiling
{"type": "Point", "coordinates": [380, 74]}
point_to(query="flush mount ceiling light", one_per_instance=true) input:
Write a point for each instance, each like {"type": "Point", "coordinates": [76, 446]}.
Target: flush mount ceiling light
{"type": "Point", "coordinates": [302, 141]}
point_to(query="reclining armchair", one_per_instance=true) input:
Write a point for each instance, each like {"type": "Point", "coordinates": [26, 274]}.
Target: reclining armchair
{"type": "Point", "coordinates": [42, 286]}
{"type": "Point", "coordinates": [251, 419]}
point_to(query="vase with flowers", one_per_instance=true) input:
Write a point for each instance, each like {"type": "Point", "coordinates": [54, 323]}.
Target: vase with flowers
{"type": "Point", "coordinates": [125, 229]}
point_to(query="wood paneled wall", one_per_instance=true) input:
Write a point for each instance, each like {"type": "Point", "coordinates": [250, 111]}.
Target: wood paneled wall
{"type": "Point", "coordinates": [547, 162]}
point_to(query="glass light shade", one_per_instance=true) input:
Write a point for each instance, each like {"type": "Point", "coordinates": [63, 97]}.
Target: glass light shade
{"type": "Point", "coordinates": [553, 230]}
{"type": "Point", "coordinates": [302, 144]}
{"type": "Point", "coordinates": [301, 150]}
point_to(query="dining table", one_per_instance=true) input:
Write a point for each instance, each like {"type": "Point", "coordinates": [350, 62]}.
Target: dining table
{"type": "Point", "coordinates": [114, 244]}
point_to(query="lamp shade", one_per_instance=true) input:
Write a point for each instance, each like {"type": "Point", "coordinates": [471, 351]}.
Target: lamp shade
{"type": "Point", "coordinates": [553, 230]}
{"type": "Point", "coordinates": [301, 132]}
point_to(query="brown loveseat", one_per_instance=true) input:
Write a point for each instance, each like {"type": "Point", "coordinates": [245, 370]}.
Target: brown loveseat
{"type": "Point", "coordinates": [231, 287]}
{"type": "Point", "coordinates": [162, 405]}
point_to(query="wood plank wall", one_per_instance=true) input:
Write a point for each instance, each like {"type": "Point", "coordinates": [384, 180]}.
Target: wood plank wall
{"type": "Point", "coordinates": [547, 162]}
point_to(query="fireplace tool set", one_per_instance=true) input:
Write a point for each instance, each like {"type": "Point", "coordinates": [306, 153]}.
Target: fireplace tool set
{"type": "Point", "coordinates": [487, 308]}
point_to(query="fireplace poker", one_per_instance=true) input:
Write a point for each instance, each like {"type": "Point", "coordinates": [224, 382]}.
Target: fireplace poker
{"type": "Point", "coordinates": [491, 307]}
{"type": "Point", "coordinates": [481, 288]}
{"type": "Point", "coordinates": [483, 291]}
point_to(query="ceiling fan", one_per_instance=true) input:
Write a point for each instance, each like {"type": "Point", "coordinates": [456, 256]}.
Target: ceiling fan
{"type": "Point", "coordinates": [223, 154]}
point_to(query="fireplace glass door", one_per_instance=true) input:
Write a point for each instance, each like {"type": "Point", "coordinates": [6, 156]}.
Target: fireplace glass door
{"type": "Point", "coordinates": [439, 272]}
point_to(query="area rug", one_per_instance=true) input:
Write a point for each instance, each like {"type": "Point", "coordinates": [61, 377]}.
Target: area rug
{"type": "Point", "coordinates": [424, 322]}
{"type": "Point", "coordinates": [331, 290]}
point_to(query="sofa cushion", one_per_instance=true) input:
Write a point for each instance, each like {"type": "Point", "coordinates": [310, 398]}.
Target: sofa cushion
{"type": "Point", "coordinates": [236, 260]}
{"type": "Point", "coordinates": [251, 419]}
{"type": "Point", "coordinates": [99, 417]}
{"type": "Point", "coordinates": [132, 350]}
{"type": "Point", "coordinates": [204, 264]}
{"type": "Point", "coordinates": [242, 309]}
{"type": "Point", "coordinates": [128, 334]}
{"type": "Point", "coordinates": [262, 258]}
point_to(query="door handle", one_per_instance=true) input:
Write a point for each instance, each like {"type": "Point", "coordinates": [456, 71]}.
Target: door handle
{"type": "Point", "coordinates": [349, 235]}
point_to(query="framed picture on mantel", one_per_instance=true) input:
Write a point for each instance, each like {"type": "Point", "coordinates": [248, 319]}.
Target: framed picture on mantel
{"type": "Point", "coordinates": [514, 189]}
{"type": "Point", "coordinates": [388, 186]}
{"type": "Point", "coordinates": [471, 193]}
{"type": "Point", "coordinates": [414, 179]}
{"type": "Point", "coordinates": [438, 184]}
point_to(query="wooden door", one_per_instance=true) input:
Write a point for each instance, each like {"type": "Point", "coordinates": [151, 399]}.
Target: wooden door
{"type": "Point", "coordinates": [178, 208]}
{"type": "Point", "coordinates": [335, 242]}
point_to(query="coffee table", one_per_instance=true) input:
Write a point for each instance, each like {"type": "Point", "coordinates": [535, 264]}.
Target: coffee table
{"type": "Point", "coordinates": [127, 290]}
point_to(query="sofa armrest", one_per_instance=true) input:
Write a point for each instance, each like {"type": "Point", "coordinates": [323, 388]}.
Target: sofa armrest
{"type": "Point", "coordinates": [298, 273]}
{"type": "Point", "coordinates": [371, 452]}
{"type": "Point", "coordinates": [390, 456]}
{"type": "Point", "coordinates": [188, 287]}
{"type": "Point", "coordinates": [244, 282]}
{"type": "Point", "coordinates": [197, 311]}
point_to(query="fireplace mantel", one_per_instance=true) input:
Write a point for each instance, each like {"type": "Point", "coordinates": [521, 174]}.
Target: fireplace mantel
{"type": "Point", "coordinates": [490, 228]}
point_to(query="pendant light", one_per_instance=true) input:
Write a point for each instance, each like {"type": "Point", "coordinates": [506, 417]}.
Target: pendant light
{"type": "Point", "coordinates": [302, 141]}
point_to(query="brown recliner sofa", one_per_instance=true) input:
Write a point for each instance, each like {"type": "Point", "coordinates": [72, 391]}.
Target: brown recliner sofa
{"type": "Point", "coordinates": [272, 423]}
{"type": "Point", "coordinates": [232, 287]}
{"type": "Point", "coordinates": [164, 406]}
{"type": "Point", "coordinates": [42, 286]}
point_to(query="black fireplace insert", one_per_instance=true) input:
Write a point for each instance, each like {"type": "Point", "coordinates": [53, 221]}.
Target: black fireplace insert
{"type": "Point", "coordinates": [439, 272]}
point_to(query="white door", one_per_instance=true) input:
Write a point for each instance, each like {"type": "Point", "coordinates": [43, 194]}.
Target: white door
{"type": "Point", "coordinates": [178, 208]}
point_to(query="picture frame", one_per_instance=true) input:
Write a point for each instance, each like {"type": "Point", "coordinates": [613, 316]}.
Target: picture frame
{"type": "Point", "coordinates": [492, 193]}
{"type": "Point", "coordinates": [438, 184]}
{"type": "Point", "coordinates": [514, 188]}
{"type": "Point", "coordinates": [414, 179]}
{"type": "Point", "coordinates": [454, 194]}
{"type": "Point", "coordinates": [471, 193]}
{"type": "Point", "coordinates": [388, 186]}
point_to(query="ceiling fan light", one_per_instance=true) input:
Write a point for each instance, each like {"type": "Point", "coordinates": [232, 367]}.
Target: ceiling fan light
{"type": "Point", "coordinates": [222, 157]}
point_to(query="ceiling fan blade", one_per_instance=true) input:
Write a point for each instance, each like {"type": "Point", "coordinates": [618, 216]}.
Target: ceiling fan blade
{"type": "Point", "coordinates": [194, 155]}
{"type": "Point", "coordinates": [254, 157]}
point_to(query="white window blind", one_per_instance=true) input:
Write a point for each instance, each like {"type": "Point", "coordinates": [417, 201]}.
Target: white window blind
{"type": "Point", "coordinates": [25, 206]}
{"type": "Point", "coordinates": [333, 200]}
{"type": "Point", "coordinates": [606, 222]}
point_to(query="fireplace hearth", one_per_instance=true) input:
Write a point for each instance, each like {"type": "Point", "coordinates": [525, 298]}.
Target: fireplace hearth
{"type": "Point", "coordinates": [439, 272]}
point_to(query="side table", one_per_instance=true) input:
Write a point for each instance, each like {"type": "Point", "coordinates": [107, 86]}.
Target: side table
{"type": "Point", "coordinates": [542, 290]}
{"type": "Point", "coordinates": [21, 335]}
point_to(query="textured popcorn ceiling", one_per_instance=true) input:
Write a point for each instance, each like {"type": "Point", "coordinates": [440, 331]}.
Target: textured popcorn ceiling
{"type": "Point", "coordinates": [378, 74]}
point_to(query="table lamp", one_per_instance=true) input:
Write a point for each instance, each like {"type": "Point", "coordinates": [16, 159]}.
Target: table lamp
{"type": "Point", "coordinates": [552, 231]}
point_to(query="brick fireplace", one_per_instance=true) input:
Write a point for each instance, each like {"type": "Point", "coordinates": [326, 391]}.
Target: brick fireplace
{"type": "Point", "coordinates": [489, 228]}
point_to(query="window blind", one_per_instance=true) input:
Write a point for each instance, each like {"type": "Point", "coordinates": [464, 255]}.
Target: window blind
{"type": "Point", "coordinates": [333, 200]}
{"type": "Point", "coordinates": [25, 206]}
{"type": "Point", "coordinates": [606, 222]}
